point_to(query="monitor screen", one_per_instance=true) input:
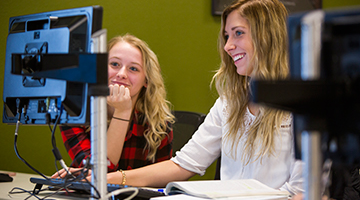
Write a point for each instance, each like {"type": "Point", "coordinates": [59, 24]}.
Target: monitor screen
{"type": "Point", "coordinates": [31, 36]}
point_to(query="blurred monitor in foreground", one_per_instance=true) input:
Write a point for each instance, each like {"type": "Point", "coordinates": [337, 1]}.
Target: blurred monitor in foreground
{"type": "Point", "coordinates": [30, 38]}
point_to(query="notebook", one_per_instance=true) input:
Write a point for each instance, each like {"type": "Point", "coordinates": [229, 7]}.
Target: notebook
{"type": "Point", "coordinates": [84, 187]}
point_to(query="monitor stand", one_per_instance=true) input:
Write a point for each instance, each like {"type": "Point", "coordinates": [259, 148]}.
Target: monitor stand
{"type": "Point", "coordinates": [98, 123]}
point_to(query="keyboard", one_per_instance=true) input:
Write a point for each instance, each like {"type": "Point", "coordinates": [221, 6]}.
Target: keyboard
{"type": "Point", "coordinates": [82, 187]}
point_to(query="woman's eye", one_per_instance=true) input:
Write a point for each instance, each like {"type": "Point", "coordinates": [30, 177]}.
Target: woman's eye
{"type": "Point", "coordinates": [114, 64]}
{"type": "Point", "coordinates": [226, 37]}
{"type": "Point", "coordinates": [237, 33]}
{"type": "Point", "coordinates": [133, 69]}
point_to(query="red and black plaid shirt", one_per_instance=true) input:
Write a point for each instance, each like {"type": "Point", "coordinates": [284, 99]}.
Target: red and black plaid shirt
{"type": "Point", "coordinates": [77, 143]}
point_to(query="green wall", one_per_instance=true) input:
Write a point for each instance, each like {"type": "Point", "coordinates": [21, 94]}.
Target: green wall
{"type": "Point", "coordinates": [182, 33]}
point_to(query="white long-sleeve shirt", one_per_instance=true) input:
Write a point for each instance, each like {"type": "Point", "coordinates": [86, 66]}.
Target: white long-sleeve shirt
{"type": "Point", "coordinates": [280, 170]}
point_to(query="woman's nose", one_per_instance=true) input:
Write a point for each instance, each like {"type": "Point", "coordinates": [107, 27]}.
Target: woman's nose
{"type": "Point", "coordinates": [229, 45]}
{"type": "Point", "coordinates": [122, 73]}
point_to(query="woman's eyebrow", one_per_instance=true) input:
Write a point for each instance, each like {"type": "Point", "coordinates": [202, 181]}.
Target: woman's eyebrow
{"type": "Point", "coordinates": [235, 27]}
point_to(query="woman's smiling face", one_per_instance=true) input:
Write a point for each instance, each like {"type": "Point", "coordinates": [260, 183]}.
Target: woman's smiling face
{"type": "Point", "coordinates": [125, 67]}
{"type": "Point", "coordinates": [239, 43]}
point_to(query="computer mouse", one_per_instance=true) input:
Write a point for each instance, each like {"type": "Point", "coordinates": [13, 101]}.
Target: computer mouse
{"type": "Point", "coordinates": [5, 177]}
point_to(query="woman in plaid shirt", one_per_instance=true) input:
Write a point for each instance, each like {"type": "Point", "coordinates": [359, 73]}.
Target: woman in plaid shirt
{"type": "Point", "coordinates": [139, 117]}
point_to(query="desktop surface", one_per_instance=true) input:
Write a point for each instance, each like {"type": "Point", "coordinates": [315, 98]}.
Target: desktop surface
{"type": "Point", "coordinates": [84, 188]}
{"type": "Point", "coordinates": [28, 182]}
{"type": "Point", "coordinates": [21, 181]}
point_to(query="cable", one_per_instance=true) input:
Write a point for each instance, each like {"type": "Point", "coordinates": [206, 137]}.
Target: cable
{"type": "Point", "coordinates": [55, 150]}
{"type": "Point", "coordinates": [123, 190]}
{"type": "Point", "coordinates": [85, 174]}
{"type": "Point", "coordinates": [82, 176]}
{"type": "Point", "coordinates": [48, 120]}
{"type": "Point", "coordinates": [23, 191]}
{"type": "Point", "coordinates": [69, 178]}
{"type": "Point", "coordinates": [15, 140]}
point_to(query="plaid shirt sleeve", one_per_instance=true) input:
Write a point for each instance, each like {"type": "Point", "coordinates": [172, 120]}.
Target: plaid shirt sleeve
{"type": "Point", "coordinates": [77, 143]}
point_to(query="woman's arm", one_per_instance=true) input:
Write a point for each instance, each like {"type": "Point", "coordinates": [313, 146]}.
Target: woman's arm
{"type": "Point", "coordinates": [121, 107]}
{"type": "Point", "coordinates": [77, 143]}
{"type": "Point", "coordinates": [295, 184]}
{"type": "Point", "coordinates": [155, 175]}
{"type": "Point", "coordinates": [116, 134]}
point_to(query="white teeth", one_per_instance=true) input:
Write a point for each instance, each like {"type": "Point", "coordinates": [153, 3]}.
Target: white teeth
{"type": "Point", "coordinates": [238, 57]}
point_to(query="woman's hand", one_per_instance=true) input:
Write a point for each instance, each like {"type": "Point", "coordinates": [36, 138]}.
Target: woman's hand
{"type": "Point", "coordinates": [120, 100]}
{"type": "Point", "coordinates": [112, 177]}
{"type": "Point", "coordinates": [74, 171]}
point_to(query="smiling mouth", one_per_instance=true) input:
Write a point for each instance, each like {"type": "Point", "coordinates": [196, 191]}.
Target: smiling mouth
{"type": "Point", "coordinates": [126, 85]}
{"type": "Point", "coordinates": [238, 57]}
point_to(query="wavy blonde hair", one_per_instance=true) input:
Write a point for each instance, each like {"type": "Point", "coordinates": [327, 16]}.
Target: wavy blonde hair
{"type": "Point", "coordinates": [152, 99]}
{"type": "Point", "coordinates": [267, 21]}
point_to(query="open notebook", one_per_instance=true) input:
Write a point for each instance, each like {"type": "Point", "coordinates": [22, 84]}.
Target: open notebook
{"type": "Point", "coordinates": [84, 187]}
{"type": "Point", "coordinates": [230, 189]}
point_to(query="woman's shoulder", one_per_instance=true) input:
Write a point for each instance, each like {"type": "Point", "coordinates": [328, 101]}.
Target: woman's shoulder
{"type": "Point", "coordinates": [220, 102]}
{"type": "Point", "coordinates": [219, 108]}
{"type": "Point", "coordinates": [287, 120]}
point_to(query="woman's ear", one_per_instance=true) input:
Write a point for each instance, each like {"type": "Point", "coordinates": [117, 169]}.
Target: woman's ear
{"type": "Point", "coordinates": [146, 83]}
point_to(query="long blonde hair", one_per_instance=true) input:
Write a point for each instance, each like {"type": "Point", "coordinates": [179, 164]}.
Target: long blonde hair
{"type": "Point", "coordinates": [267, 20]}
{"type": "Point", "coordinates": [152, 100]}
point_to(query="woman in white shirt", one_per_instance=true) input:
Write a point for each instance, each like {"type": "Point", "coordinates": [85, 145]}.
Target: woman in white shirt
{"type": "Point", "coordinates": [253, 141]}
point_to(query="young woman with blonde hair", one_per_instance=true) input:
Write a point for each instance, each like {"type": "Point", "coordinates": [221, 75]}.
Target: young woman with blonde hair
{"type": "Point", "coordinates": [140, 119]}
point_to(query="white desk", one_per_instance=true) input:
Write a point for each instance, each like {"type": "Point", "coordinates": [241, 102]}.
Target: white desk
{"type": "Point", "coordinates": [22, 180]}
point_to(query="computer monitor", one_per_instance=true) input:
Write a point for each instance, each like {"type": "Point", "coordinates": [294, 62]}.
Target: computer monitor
{"type": "Point", "coordinates": [48, 45]}
{"type": "Point", "coordinates": [334, 87]}
{"type": "Point", "coordinates": [324, 97]}
{"type": "Point", "coordinates": [56, 72]}
{"type": "Point", "coordinates": [323, 92]}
